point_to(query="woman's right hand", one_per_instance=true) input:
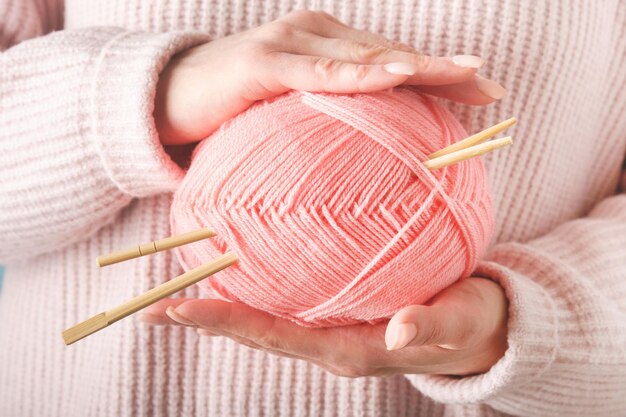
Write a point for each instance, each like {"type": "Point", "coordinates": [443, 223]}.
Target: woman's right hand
{"type": "Point", "coordinates": [206, 85]}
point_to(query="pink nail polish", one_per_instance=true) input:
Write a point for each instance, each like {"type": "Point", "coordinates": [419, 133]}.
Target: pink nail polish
{"type": "Point", "coordinates": [489, 88]}
{"type": "Point", "coordinates": [468, 61]}
{"type": "Point", "coordinates": [400, 335]}
{"type": "Point", "coordinates": [400, 68]}
{"type": "Point", "coordinates": [178, 318]}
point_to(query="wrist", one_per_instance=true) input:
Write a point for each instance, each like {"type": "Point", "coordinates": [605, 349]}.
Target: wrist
{"type": "Point", "coordinates": [162, 104]}
{"type": "Point", "coordinates": [180, 97]}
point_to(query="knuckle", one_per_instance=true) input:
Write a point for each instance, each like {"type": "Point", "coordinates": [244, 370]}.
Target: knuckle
{"type": "Point", "coordinates": [397, 45]}
{"type": "Point", "coordinates": [278, 30]}
{"type": "Point", "coordinates": [324, 68]}
{"type": "Point", "coordinates": [271, 339]}
{"type": "Point", "coordinates": [267, 341]}
{"type": "Point", "coordinates": [362, 52]}
{"type": "Point", "coordinates": [323, 14]}
{"type": "Point", "coordinates": [423, 62]}
{"type": "Point", "coordinates": [433, 334]}
{"type": "Point", "coordinates": [301, 15]}
{"type": "Point", "coordinates": [360, 73]}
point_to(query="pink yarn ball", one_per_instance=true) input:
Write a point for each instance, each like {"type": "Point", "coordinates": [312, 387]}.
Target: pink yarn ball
{"type": "Point", "coordinates": [326, 202]}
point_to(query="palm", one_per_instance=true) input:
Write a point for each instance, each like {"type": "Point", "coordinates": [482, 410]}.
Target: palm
{"type": "Point", "coordinates": [461, 331]}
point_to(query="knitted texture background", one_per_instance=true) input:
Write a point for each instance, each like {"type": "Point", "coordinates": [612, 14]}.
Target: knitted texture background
{"type": "Point", "coordinates": [327, 203]}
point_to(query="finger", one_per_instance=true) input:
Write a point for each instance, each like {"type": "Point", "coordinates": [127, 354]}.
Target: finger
{"type": "Point", "coordinates": [156, 313]}
{"type": "Point", "coordinates": [246, 342]}
{"type": "Point", "coordinates": [431, 70]}
{"type": "Point", "coordinates": [205, 332]}
{"type": "Point", "coordinates": [242, 341]}
{"type": "Point", "coordinates": [220, 332]}
{"type": "Point", "coordinates": [420, 325]}
{"type": "Point", "coordinates": [476, 91]}
{"type": "Point", "coordinates": [239, 320]}
{"type": "Point", "coordinates": [342, 30]}
{"type": "Point", "coordinates": [320, 74]}
{"type": "Point", "coordinates": [326, 25]}
{"type": "Point", "coordinates": [357, 350]}
{"type": "Point", "coordinates": [327, 347]}
{"type": "Point", "coordinates": [428, 70]}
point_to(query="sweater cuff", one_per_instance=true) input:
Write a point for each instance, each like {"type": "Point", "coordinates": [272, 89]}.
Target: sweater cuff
{"type": "Point", "coordinates": [121, 104]}
{"type": "Point", "coordinates": [532, 335]}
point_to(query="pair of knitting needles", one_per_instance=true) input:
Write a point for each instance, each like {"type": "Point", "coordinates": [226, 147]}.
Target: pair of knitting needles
{"type": "Point", "coordinates": [477, 144]}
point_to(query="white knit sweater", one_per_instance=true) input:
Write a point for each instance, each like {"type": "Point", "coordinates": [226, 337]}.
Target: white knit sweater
{"type": "Point", "coordinates": [82, 173]}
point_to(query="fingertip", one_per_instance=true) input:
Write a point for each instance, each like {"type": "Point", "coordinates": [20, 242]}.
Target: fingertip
{"type": "Point", "coordinates": [417, 325]}
{"type": "Point", "coordinates": [489, 88]}
{"type": "Point", "coordinates": [205, 312]}
{"type": "Point", "coordinates": [402, 327]}
{"type": "Point", "coordinates": [158, 308]}
{"type": "Point", "coordinates": [405, 314]}
{"type": "Point", "coordinates": [187, 309]}
{"type": "Point", "coordinates": [439, 71]}
{"type": "Point", "coordinates": [400, 68]}
{"type": "Point", "coordinates": [152, 319]}
{"type": "Point", "coordinates": [398, 335]}
{"type": "Point", "coordinates": [179, 318]}
{"type": "Point", "coordinates": [468, 61]}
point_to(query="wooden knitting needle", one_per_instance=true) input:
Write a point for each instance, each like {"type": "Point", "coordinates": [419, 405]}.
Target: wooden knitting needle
{"type": "Point", "coordinates": [102, 320]}
{"type": "Point", "coordinates": [475, 139]}
{"type": "Point", "coordinates": [467, 153]}
{"type": "Point", "coordinates": [153, 247]}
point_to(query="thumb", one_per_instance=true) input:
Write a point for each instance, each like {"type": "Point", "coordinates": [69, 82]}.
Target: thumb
{"type": "Point", "coordinates": [419, 325]}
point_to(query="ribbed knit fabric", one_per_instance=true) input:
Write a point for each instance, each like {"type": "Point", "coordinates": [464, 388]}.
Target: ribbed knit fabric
{"type": "Point", "coordinates": [82, 173]}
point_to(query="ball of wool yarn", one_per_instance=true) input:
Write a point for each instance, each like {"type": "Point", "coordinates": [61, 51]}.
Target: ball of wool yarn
{"type": "Point", "coordinates": [327, 204]}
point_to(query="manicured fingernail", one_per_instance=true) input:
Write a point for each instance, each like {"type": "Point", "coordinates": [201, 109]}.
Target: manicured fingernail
{"type": "Point", "coordinates": [150, 319]}
{"type": "Point", "coordinates": [400, 335]}
{"type": "Point", "coordinates": [489, 88]}
{"type": "Point", "coordinates": [178, 318]}
{"type": "Point", "coordinates": [468, 61]}
{"type": "Point", "coordinates": [400, 68]}
{"type": "Point", "coordinates": [205, 332]}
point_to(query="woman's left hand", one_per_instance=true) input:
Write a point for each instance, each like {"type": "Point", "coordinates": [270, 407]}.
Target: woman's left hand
{"type": "Point", "coordinates": [461, 331]}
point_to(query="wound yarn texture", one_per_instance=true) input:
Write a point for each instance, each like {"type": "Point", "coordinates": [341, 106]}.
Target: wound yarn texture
{"type": "Point", "coordinates": [325, 200]}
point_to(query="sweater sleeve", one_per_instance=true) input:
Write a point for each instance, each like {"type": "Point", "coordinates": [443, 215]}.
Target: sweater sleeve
{"type": "Point", "coordinates": [77, 136]}
{"type": "Point", "coordinates": [567, 323]}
